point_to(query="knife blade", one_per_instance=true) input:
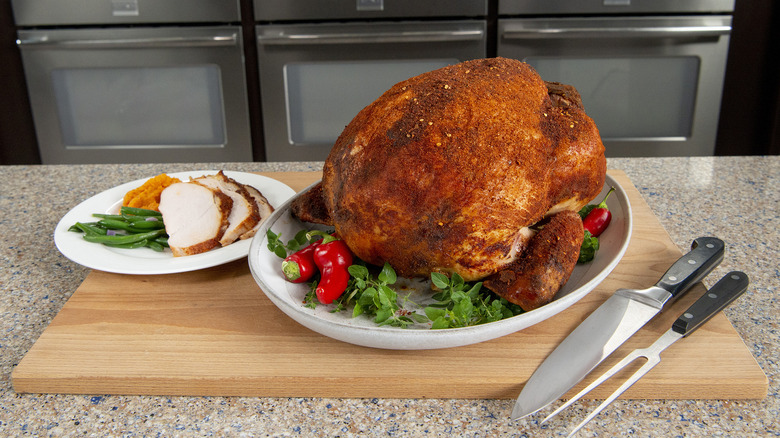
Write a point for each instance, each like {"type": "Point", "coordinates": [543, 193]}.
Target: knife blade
{"type": "Point", "coordinates": [723, 293]}
{"type": "Point", "coordinates": [611, 324]}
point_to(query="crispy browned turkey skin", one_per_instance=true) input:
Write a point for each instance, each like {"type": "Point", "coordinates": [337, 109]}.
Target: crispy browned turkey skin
{"type": "Point", "coordinates": [446, 171]}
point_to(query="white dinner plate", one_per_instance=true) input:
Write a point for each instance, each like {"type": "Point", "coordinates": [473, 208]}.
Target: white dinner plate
{"type": "Point", "coordinates": [145, 260]}
{"type": "Point", "coordinates": [266, 269]}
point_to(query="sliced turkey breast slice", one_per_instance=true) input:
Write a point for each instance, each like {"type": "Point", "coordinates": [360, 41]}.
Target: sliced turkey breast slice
{"type": "Point", "coordinates": [195, 217]}
{"type": "Point", "coordinates": [264, 209]}
{"type": "Point", "coordinates": [243, 215]}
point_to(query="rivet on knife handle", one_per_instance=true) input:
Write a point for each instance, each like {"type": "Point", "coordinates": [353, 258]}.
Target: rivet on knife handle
{"type": "Point", "coordinates": [705, 254]}
{"type": "Point", "coordinates": [728, 289]}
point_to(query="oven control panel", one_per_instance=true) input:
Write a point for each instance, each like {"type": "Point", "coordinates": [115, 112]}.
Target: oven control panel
{"type": "Point", "coordinates": [108, 12]}
{"type": "Point", "coordinates": [294, 10]}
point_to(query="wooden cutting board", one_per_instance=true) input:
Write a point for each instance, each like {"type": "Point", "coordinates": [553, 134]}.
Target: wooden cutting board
{"type": "Point", "coordinates": [214, 332]}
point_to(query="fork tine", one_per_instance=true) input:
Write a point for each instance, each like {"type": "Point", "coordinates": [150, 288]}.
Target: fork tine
{"type": "Point", "coordinates": [634, 355]}
{"type": "Point", "coordinates": [652, 361]}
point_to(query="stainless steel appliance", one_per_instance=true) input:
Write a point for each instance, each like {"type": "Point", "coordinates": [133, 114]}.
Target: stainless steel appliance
{"type": "Point", "coordinates": [135, 80]}
{"type": "Point", "coordinates": [321, 62]}
{"type": "Point", "coordinates": [650, 72]}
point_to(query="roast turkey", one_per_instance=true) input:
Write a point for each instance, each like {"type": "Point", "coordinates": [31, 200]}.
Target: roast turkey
{"type": "Point", "coordinates": [455, 170]}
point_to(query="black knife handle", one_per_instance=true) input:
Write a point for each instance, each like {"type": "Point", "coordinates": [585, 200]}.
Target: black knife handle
{"type": "Point", "coordinates": [706, 253]}
{"type": "Point", "coordinates": [726, 290]}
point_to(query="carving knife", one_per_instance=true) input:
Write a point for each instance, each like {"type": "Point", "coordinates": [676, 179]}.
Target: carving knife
{"type": "Point", "coordinates": [611, 324]}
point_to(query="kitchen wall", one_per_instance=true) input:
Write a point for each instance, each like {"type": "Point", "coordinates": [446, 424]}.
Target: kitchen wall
{"type": "Point", "coordinates": [750, 109]}
{"type": "Point", "coordinates": [17, 133]}
{"type": "Point", "coordinates": [749, 122]}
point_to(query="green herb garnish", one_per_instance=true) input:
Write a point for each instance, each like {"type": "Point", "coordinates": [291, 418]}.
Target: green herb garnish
{"type": "Point", "coordinates": [586, 210]}
{"type": "Point", "coordinates": [370, 293]}
{"type": "Point", "coordinates": [373, 296]}
{"type": "Point", "coordinates": [461, 304]}
{"type": "Point", "coordinates": [590, 245]}
{"type": "Point", "coordinates": [278, 247]}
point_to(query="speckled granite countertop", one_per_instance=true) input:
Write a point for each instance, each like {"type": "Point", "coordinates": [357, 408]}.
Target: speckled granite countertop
{"type": "Point", "coordinates": [735, 198]}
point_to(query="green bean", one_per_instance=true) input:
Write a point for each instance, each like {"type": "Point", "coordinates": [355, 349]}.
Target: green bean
{"type": "Point", "coordinates": [119, 239]}
{"type": "Point", "coordinates": [117, 217]}
{"type": "Point", "coordinates": [126, 217]}
{"type": "Point", "coordinates": [132, 245]}
{"type": "Point", "coordinates": [121, 225]}
{"type": "Point", "coordinates": [155, 246]}
{"type": "Point", "coordinates": [147, 225]}
{"type": "Point", "coordinates": [88, 228]}
{"type": "Point", "coordinates": [139, 211]}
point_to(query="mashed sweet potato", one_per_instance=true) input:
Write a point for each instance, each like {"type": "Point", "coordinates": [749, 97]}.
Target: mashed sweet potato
{"type": "Point", "coordinates": [148, 195]}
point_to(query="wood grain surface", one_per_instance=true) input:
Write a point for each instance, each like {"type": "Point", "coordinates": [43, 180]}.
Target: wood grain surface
{"type": "Point", "coordinates": [214, 332]}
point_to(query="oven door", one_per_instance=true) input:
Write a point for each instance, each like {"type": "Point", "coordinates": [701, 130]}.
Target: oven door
{"type": "Point", "coordinates": [131, 95]}
{"type": "Point", "coordinates": [653, 85]}
{"type": "Point", "coordinates": [316, 78]}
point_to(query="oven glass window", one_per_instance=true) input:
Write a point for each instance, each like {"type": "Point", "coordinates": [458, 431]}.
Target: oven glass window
{"type": "Point", "coordinates": [140, 107]}
{"type": "Point", "coordinates": [631, 98]}
{"type": "Point", "coordinates": [322, 98]}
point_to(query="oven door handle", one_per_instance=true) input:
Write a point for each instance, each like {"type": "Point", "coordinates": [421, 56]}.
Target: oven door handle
{"type": "Point", "coordinates": [371, 38]}
{"type": "Point", "coordinates": [616, 32]}
{"type": "Point", "coordinates": [44, 42]}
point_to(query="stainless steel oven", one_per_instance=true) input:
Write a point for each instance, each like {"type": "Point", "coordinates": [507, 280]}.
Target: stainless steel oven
{"type": "Point", "coordinates": [135, 80]}
{"type": "Point", "coordinates": [650, 72]}
{"type": "Point", "coordinates": [320, 63]}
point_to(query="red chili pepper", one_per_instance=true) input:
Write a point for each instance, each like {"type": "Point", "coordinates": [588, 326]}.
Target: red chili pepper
{"type": "Point", "coordinates": [299, 267]}
{"type": "Point", "coordinates": [598, 219]}
{"type": "Point", "coordinates": [332, 257]}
